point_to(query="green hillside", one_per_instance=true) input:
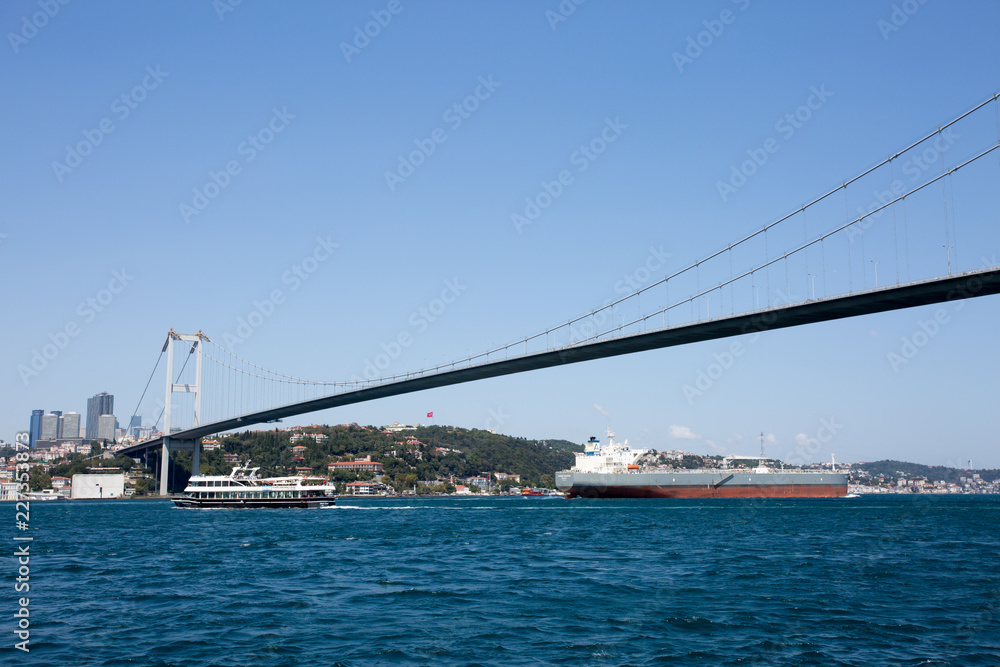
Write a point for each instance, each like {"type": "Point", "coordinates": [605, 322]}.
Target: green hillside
{"type": "Point", "coordinates": [895, 469]}
{"type": "Point", "coordinates": [423, 454]}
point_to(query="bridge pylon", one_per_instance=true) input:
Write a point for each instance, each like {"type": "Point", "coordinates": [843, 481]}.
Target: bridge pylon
{"type": "Point", "coordinates": [174, 444]}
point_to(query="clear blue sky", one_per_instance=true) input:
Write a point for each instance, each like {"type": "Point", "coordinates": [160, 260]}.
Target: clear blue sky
{"type": "Point", "coordinates": [332, 120]}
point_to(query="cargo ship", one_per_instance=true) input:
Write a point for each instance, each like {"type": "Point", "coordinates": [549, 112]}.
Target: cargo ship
{"type": "Point", "coordinates": [612, 470]}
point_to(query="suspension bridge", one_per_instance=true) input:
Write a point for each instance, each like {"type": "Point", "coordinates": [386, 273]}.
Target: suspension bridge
{"type": "Point", "coordinates": [900, 214]}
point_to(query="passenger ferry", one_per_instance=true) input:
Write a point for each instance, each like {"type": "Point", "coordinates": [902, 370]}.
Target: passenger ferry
{"type": "Point", "coordinates": [243, 488]}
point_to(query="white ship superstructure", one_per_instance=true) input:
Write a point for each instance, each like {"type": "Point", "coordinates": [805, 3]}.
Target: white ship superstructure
{"type": "Point", "coordinates": [611, 457]}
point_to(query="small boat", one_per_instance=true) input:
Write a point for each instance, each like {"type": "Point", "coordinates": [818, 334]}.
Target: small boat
{"type": "Point", "coordinates": [45, 494]}
{"type": "Point", "coordinates": [243, 488]}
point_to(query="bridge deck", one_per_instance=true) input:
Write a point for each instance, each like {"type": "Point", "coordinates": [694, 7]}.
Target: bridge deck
{"type": "Point", "coordinates": [938, 290]}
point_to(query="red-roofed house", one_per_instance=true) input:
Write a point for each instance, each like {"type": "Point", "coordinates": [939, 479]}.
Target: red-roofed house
{"type": "Point", "coordinates": [368, 466]}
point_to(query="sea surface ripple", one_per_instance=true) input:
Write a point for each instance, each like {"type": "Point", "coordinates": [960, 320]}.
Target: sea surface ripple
{"type": "Point", "coordinates": [875, 580]}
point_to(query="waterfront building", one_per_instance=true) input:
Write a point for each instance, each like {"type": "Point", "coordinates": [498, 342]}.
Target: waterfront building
{"type": "Point", "coordinates": [35, 428]}
{"type": "Point", "coordinates": [98, 486]}
{"type": "Point", "coordinates": [366, 488]}
{"type": "Point", "coordinates": [100, 404]}
{"type": "Point", "coordinates": [8, 490]}
{"type": "Point", "coordinates": [481, 482]}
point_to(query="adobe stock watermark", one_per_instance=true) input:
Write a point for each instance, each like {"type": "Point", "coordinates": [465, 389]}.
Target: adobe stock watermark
{"type": "Point", "coordinates": [723, 361]}
{"type": "Point", "coordinates": [786, 126]}
{"type": "Point", "coordinates": [584, 156]}
{"type": "Point", "coordinates": [914, 167]}
{"type": "Point", "coordinates": [295, 276]}
{"type": "Point", "coordinates": [22, 518]}
{"type": "Point", "coordinates": [454, 116]}
{"type": "Point", "coordinates": [248, 149]}
{"type": "Point", "coordinates": [381, 18]}
{"type": "Point", "coordinates": [496, 419]}
{"type": "Point", "coordinates": [696, 44]}
{"type": "Point", "coordinates": [223, 7]}
{"type": "Point", "coordinates": [926, 330]}
{"type": "Point", "coordinates": [122, 107]}
{"type": "Point", "coordinates": [419, 321]}
{"type": "Point", "coordinates": [900, 16]}
{"type": "Point", "coordinates": [806, 448]}
{"type": "Point", "coordinates": [562, 12]}
{"type": "Point", "coordinates": [86, 311]}
{"type": "Point", "coordinates": [31, 25]}
{"type": "Point", "coordinates": [656, 260]}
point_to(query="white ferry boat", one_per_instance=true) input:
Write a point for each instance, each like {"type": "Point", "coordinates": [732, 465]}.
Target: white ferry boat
{"type": "Point", "coordinates": [243, 488]}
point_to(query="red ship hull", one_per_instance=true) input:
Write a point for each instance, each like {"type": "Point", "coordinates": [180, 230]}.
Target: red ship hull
{"type": "Point", "coordinates": [724, 491]}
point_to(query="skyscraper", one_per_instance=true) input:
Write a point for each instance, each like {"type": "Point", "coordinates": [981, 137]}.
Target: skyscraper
{"type": "Point", "coordinates": [135, 425]}
{"type": "Point", "coordinates": [101, 404]}
{"type": "Point", "coordinates": [69, 426]}
{"type": "Point", "coordinates": [35, 429]}
{"type": "Point", "coordinates": [106, 427]}
{"type": "Point", "coordinates": [50, 427]}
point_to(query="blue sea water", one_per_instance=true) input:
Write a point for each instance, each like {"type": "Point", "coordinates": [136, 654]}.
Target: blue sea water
{"type": "Point", "coordinates": [875, 580]}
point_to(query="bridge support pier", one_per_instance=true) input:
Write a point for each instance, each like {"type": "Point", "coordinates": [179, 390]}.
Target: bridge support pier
{"type": "Point", "coordinates": [177, 445]}
{"type": "Point", "coordinates": [165, 467]}
{"type": "Point", "coordinates": [196, 456]}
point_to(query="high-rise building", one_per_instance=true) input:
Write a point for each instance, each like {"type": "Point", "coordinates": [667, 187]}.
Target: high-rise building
{"type": "Point", "coordinates": [101, 404]}
{"type": "Point", "coordinates": [106, 427]}
{"type": "Point", "coordinates": [50, 427]}
{"type": "Point", "coordinates": [69, 426]}
{"type": "Point", "coordinates": [134, 425]}
{"type": "Point", "coordinates": [35, 429]}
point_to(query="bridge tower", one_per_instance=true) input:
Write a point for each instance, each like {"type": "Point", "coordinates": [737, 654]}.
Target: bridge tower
{"type": "Point", "coordinates": [174, 444]}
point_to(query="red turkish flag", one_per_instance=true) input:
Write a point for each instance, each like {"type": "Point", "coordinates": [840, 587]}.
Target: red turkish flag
{"type": "Point", "coordinates": [430, 414]}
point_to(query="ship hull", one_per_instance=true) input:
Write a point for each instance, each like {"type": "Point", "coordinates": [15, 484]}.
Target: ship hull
{"type": "Point", "coordinates": [703, 484]}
